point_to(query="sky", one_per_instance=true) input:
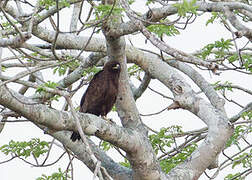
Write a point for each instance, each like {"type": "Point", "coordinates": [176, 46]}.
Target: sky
{"type": "Point", "coordinates": [193, 38]}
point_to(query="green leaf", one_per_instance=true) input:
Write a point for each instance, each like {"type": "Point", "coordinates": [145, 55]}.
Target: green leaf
{"type": "Point", "coordinates": [245, 159]}
{"type": "Point", "coordinates": [60, 175]}
{"type": "Point", "coordinates": [125, 163]}
{"type": "Point", "coordinates": [247, 115]}
{"type": "Point", "coordinates": [62, 69]}
{"type": "Point", "coordinates": [134, 70]}
{"type": "Point", "coordinates": [103, 10]}
{"type": "Point", "coordinates": [105, 146]}
{"type": "Point", "coordinates": [232, 176]}
{"type": "Point", "coordinates": [233, 140]}
{"type": "Point", "coordinates": [219, 47]}
{"type": "Point", "coordinates": [162, 29]}
{"type": "Point", "coordinates": [169, 163]}
{"type": "Point", "coordinates": [186, 7]}
{"type": "Point", "coordinates": [48, 84]}
{"type": "Point", "coordinates": [91, 71]}
{"type": "Point", "coordinates": [47, 3]}
{"type": "Point", "coordinates": [215, 15]}
{"type": "Point", "coordinates": [24, 149]}
{"type": "Point", "coordinates": [164, 139]}
{"type": "Point", "coordinates": [247, 62]}
{"type": "Point", "coordinates": [233, 58]}
{"type": "Point", "coordinates": [3, 68]}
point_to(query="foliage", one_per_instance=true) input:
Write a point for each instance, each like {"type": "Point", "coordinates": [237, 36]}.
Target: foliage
{"type": "Point", "coordinates": [24, 149]}
{"type": "Point", "coordinates": [238, 132]}
{"type": "Point", "coordinates": [46, 3]}
{"type": "Point", "coordinates": [55, 176]}
{"type": "Point", "coordinates": [186, 7]}
{"type": "Point", "coordinates": [168, 163]}
{"type": "Point", "coordinates": [105, 146]}
{"type": "Point", "coordinates": [215, 15]}
{"type": "Point", "coordinates": [125, 163]}
{"type": "Point", "coordinates": [149, 2]}
{"type": "Point", "coordinates": [245, 159]}
{"type": "Point", "coordinates": [217, 49]}
{"type": "Point", "coordinates": [225, 86]}
{"type": "Point", "coordinates": [162, 29]}
{"type": "Point", "coordinates": [102, 11]}
{"type": "Point", "coordinates": [233, 177]}
{"type": "Point", "coordinates": [6, 25]}
{"type": "Point", "coordinates": [134, 70]}
{"type": "Point", "coordinates": [247, 62]}
{"type": "Point", "coordinates": [91, 71]}
{"type": "Point", "coordinates": [48, 84]}
{"type": "Point", "coordinates": [247, 115]}
{"type": "Point", "coordinates": [246, 58]}
{"type": "Point", "coordinates": [62, 69]}
{"type": "Point", "coordinates": [49, 3]}
{"type": "Point", "coordinates": [3, 68]}
{"type": "Point", "coordinates": [164, 138]}
{"type": "Point", "coordinates": [231, 55]}
{"type": "Point", "coordinates": [114, 108]}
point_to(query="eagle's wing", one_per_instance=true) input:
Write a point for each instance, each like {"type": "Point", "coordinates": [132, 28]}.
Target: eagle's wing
{"type": "Point", "coordinates": [94, 93]}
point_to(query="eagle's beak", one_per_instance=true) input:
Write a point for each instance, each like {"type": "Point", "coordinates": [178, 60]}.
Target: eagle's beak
{"type": "Point", "coordinates": [117, 67]}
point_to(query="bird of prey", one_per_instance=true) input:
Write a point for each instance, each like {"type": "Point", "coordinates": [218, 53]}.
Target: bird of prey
{"type": "Point", "coordinates": [101, 93]}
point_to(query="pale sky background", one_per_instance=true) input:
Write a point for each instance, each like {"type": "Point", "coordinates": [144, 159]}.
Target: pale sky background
{"type": "Point", "coordinates": [193, 38]}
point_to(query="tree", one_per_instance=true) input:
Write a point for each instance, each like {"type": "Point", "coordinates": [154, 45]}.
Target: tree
{"type": "Point", "coordinates": [74, 56]}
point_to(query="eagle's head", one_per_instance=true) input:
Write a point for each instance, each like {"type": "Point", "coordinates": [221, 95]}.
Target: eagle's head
{"type": "Point", "coordinates": [113, 66]}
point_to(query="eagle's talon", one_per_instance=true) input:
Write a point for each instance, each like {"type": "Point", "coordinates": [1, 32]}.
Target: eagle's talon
{"type": "Point", "coordinates": [110, 120]}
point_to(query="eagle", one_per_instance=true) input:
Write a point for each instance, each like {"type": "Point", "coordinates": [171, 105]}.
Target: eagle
{"type": "Point", "coordinates": [101, 93]}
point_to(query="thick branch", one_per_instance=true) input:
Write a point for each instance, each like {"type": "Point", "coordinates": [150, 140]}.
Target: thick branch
{"type": "Point", "coordinates": [242, 30]}
{"type": "Point", "coordinates": [15, 41]}
{"type": "Point", "coordinates": [206, 87]}
{"type": "Point", "coordinates": [219, 128]}
{"type": "Point", "coordinates": [60, 120]}
{"type": "Point", "coordinates": [114, 169]}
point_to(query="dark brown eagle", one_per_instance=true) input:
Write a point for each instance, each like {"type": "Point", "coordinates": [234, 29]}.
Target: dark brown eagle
{"type": "Point", "coordinates": [101, 93]}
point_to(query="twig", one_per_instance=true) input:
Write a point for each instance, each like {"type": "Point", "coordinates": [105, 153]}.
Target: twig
{"type": "Point", "coordinates": [82, 135]}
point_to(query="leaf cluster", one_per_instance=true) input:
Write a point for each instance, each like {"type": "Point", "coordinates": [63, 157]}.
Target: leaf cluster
{"type": "Point", "coordinates": [186, 7]}
{"type": "Point", "coordinates": [105, 146]}
{"type": "Point", "coordinates": [238, 132]}
{"type": "Point", "coordinates": [62, 69]}
{"type": "Point", "coordinates": [246, 58]}
{"type": "Point", "coordinates": [90, 72]}
{"type": "Point", "coordinates": [5, 24]}
{"type": "Point", "coordinates": [48, 84]}
{"type": "Point", "coordinates": [225, 86]}
{"type": "Point", "coordinates": [162, 29]}
{"type": "Point", "coordinates": [247, 115]}
{"type": "Point", "coordinates": [215, 15]}
{"type": "Point", "coordinates": [233, 177]}
{"type": "Point", "coordinates": [60, 175]}
{"type": "Point", "coordinates": [3, 68]}
{"type": "Point", "coordinates": [217, 49]}
{"type": "Point", "coordinates": [35, 147]}
{"type": "Point", "coordinates": [48, 3]}
{"type": "Point", "coordinates": [245, 159]}
{"type": "Point", "coordinates": [134, 70]}
{"type": "Point", "coordinates": [164, 138]}
{"type": "Point", "coordinates": [171, 162]}
{"type": "Point", "coordinates": [102, 11]}
{"type": "Point", "coordinates": [125, 163]}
